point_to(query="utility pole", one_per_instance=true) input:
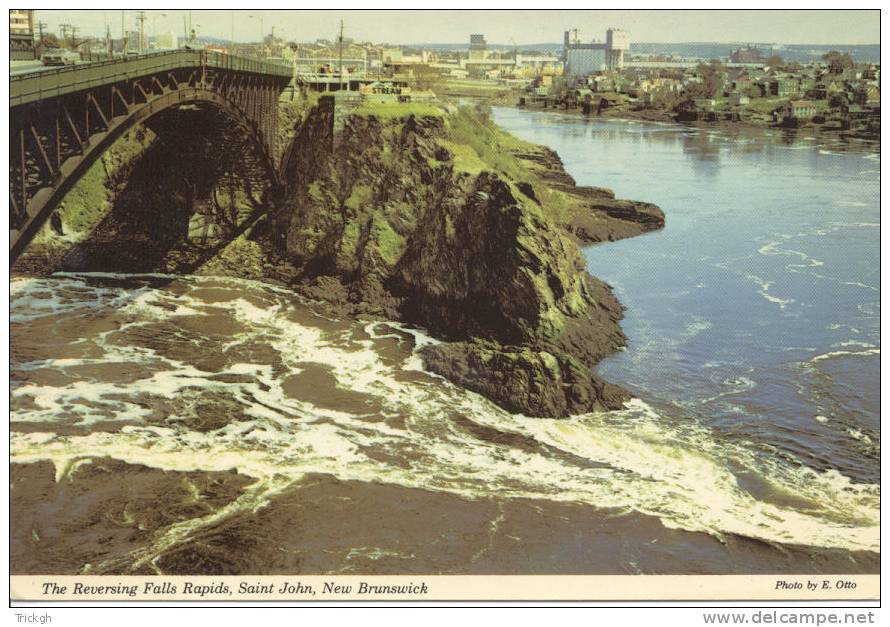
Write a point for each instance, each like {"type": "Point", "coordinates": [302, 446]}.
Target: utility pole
{"type": "Point", "coordinates": [40, 27]}
{"type": "Point", "coordinates": [341, 54]}
{"type": "Point", "coordinates": [74, 30]}
{"type": "Point", "coordinates": [260, 51]}
{"type": "Point", "coordinates": [107, 34]}
{"type": "Point", "coordinates": [262, 39]}
{"type": "Point", "coordinates": [140, 17]}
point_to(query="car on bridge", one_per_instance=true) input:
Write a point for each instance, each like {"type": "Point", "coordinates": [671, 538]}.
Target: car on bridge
{"type": "Point", "coordinates": [60, 56]}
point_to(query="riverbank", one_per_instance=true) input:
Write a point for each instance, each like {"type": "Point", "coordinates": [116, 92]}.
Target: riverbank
{"type": "Point", "coordinates": [510, 98]}
{"type": "Point", "coordinates": [741, 126]}
{"type": "Point", "coordinates": [431, 216]}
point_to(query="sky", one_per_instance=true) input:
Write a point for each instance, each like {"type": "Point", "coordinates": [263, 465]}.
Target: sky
{"type": "Point", "coordinates": [501, 27]}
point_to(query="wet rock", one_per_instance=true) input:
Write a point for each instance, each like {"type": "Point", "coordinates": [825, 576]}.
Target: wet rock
{"type": "Point", "coordinates": [523, 380]}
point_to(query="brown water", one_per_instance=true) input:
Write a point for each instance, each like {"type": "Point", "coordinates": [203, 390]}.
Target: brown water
{"type": "Point", "coordinates": [205, 425]}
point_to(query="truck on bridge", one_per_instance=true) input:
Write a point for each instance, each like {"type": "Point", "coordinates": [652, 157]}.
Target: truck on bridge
{"type": "Point", "coordinates": [60, 56]}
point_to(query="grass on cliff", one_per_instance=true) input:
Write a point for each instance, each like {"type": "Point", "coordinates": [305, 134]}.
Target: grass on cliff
{"type": "Point", "coordinates": [478, 144]}
{"type": "Point", "coordinates": [88, 201]}
{"type": "Point", "coordinates": [473, 129]}
{"type": "Point", "coordinates": [398, 110]}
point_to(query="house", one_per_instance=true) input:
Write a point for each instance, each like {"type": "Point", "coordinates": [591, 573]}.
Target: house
{"type": "Point", "coordinates": [833, 87]}
{"type": "Point", "coordinates": [854, 112]}
{"type": "Point", "coordinates": [818, 92]}
{"type": "Point", "coordinates": [737, 98]}
{"type": "Point", "coordinates": [867, 94]}
{"type": "Point", "coordinates": [743, 83]}
{"type": "Point", "coordinates": [782, 87]}
{"type": "Point", "coordinates": [872, 73]}
{"type": "Point", "coordinates": [799, 110]}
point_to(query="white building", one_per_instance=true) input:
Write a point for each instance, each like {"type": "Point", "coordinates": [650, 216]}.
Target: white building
{"type": "Point", "coordinates": [583, 61]}
{"type": "Point", "coordinates": [580, 59]}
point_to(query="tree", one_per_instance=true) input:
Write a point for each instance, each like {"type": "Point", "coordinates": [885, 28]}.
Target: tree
{"type": "Point", "coordinates": [713, 78]}
{"type": "Point", "coordinates": [837, 61]}
{"type": "Point", "coordinates": [665, 99]}
{"type": "Point", "coordinates": [775, 61]}
{"type": "Point", "coordinates": [838, 100]}
{"type": "Point", "coordinates": [49, 41]}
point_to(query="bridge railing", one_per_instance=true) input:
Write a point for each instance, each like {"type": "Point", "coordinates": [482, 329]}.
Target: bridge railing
{"type": "Point", "coordinates": [245, 64]}
{"type": "Point", "coordinates": [25, 88]}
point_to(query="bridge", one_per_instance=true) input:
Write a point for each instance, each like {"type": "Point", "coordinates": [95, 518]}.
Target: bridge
{"type": "Point", "coordinates": [62, 120]}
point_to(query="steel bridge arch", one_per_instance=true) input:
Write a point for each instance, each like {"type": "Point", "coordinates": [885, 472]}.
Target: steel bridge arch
{"type": "Point", "coordinates": [50, 152]}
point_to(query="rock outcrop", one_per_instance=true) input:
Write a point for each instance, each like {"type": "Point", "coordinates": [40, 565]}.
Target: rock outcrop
{"type": "Point", "coordinates": [423, 213]}
{"type": "Point", "coordinates": [444, 221]}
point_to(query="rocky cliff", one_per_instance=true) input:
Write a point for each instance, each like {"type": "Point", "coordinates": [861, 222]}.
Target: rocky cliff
{"type": "Point", "coordinates": [438, 218]}
{"type": "Point", "coordinates": [423, 213]}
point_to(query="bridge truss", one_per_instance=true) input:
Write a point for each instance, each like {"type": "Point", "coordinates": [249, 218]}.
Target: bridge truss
{"type": "Point", "coordinates": [62, 120]}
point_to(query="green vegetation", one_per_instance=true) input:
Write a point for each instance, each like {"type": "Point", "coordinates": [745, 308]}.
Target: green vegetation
{"type": "Point", "coordinates": [390, 244]}
{"type": "Point", "coordinates": [398, 110]}
{"type": "Point", "coordinates": [464, 157]}
{"type": "Point", "coordinates": [359, 196]}
{"type": "Point", "coordinates": [765, 106]}
{"type": "Point", "coordinates": [87, 203]}
{"type": "Point", "coordinates": [712, 80]}
{"type": "Point", "coordinates": [471, 131]}
{"type": "Point", "coordinates": [477, 144]}
{"type": "Point", "coordinates": [349, 238]}
{"type": "Point", "coordinates": [241, 258]}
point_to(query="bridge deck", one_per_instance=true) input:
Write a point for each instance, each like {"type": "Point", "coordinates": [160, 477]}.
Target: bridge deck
{"type": "Point", "coordinates": [26, 88]}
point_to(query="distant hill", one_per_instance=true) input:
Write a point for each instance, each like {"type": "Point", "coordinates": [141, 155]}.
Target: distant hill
{"type": "Point", "coordinates": [870, 53]}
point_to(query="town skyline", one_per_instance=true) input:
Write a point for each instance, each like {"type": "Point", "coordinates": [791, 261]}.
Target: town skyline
{"type": "Point", "coordinates": [521, 27]}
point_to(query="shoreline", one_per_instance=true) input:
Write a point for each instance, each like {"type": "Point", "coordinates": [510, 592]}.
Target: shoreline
{"type": "Point", "coordinates": [661, 117]}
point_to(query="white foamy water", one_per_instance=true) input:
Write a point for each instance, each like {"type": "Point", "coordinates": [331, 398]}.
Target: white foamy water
{"type": "Point", "coordinates": [627, 461]}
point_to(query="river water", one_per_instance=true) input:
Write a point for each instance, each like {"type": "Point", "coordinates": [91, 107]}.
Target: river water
{"type": "Point", "coordinates": [212, 425]}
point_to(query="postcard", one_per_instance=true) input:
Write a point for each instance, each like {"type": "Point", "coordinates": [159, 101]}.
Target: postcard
{"type": "Point", "coordinates": [444, 306]}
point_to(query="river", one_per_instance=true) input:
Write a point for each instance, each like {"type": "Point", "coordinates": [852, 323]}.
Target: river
{"type": "Point", "coordinates": [166, 424]}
